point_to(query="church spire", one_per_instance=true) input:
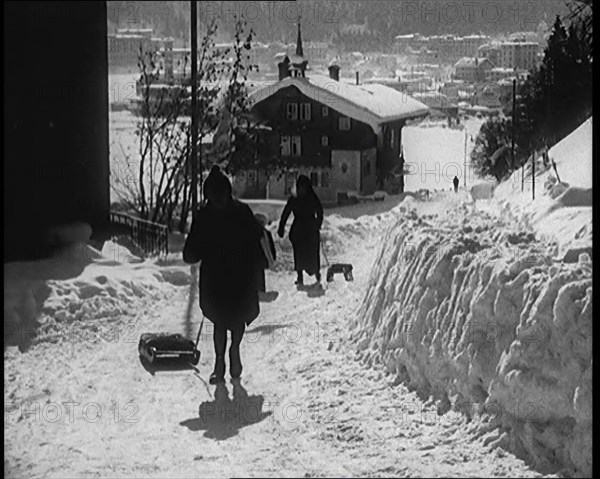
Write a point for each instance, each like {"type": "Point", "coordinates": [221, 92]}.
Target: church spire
{"type": "Point", "coordinates": [299, 50]}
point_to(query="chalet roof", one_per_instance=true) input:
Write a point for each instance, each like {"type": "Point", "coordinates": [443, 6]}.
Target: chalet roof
{"type": "Point", "coordinates": [372, 104]}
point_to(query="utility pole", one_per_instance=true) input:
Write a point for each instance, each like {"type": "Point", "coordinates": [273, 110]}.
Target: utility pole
{"type": "Point", "coordinates": [522, 177]}
{"type": "Point", "coordinates": [194, 158]}
{"type": "Point", "coordinates": [514, 120]}
{"type": "Point", "coordinates": [533, 176]}
{"type": "Point", "coordinates": [465, 166]}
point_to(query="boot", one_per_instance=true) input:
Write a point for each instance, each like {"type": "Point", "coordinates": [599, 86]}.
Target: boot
{"type": "Point", "coordinates": [235, 363]}
{"type": "Point", "coordinates": [218, 375]}
{"type": "Point", "coordinates": [300, 278]}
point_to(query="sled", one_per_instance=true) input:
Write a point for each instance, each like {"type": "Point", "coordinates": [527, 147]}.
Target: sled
{"type": "Point", "coordinates": [337, 268]}
{"type": "Point", "coordinates": [156, 346]}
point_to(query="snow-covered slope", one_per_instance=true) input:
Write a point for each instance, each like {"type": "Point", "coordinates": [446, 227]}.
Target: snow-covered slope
{"type": "Point", "coordinates": [476, 312]}
{"type": "Point", "coordinates": [561, 211]}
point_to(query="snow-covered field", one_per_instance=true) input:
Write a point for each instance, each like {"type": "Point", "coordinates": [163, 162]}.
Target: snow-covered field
{"type": "Point", "coordinates": [434, 154]}
{"type": "Point", "coordinates": [457, 309]}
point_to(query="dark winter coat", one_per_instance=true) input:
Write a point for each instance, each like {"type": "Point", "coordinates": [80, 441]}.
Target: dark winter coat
{"type": "Point", "coordinates": [304, 233]}
{"type": "Point", "coordinates": [228, 244]}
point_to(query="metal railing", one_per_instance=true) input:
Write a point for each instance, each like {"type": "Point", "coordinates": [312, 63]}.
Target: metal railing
{"type": "Point", "coordinates": [151, 238]}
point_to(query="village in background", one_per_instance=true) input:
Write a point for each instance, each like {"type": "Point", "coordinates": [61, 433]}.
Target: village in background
{"type": "Point", "coordinates": [446, 81]}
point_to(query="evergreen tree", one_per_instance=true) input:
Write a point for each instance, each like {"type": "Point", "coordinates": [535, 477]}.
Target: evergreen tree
{"type": "Point", "coordinates": [494, 135]}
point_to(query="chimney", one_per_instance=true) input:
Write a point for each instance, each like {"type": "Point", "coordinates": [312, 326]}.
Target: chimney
{"type": "Point", "coordinates": [357, 78]}
{"type": "Point", "coordinates": [334, 72]}
{"type": "Point", "coordinates": [284, 68]}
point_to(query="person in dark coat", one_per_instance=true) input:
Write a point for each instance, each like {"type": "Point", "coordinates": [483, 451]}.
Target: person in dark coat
{"type": "Point", "coordinates": [268, 253]}
{"type": "Point", "coordinates": [225, 237]}
{"type": "Point", "coordinates": [455, 181]}
{"type": "Point", "coordinates": [305, 230]}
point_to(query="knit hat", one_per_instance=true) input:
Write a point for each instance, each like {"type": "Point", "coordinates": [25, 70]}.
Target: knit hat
{"type": "Point", "coordinates": [217, 182]}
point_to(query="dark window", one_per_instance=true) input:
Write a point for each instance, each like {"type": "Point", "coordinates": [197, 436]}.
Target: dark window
{"type": "Point", "coordinates": [314, 178]}
{"type": "Point", "coordinates": [344, 123]}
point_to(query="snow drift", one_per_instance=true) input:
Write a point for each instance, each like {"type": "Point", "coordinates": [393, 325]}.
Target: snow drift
{"type": "Point", "coordinates": [482, 317]}
{"type": "Point", "coordinates": [79, 290]}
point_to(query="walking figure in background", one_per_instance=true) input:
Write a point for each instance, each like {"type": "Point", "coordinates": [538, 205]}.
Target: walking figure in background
{"type": "Point", "coordinates": [268, 253]}
{"type": "Point", "coordinates": [225, 236]}
{"type": "Point", "coordinates": [455, 181]}
{"type": "Point", "coordinates": [305, 230]}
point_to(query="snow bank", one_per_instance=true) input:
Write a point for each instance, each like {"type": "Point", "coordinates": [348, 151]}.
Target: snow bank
{"type": "Point", "coordinates": [479, 314]}
{"type": "Point", "coordinates": [482, 191]}
{"type": "Point", "coordinates": [80, 289]}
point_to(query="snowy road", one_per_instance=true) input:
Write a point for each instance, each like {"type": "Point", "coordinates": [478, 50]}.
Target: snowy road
{"type": "Point", "coordinates": [305, 407]}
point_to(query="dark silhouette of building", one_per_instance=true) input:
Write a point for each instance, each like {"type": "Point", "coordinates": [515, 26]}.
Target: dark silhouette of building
{"type": "Point", "coordinates": [56, 153]}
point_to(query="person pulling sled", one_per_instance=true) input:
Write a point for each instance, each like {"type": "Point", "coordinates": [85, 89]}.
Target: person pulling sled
{"type": "Point", "coordinates": [225, 237]}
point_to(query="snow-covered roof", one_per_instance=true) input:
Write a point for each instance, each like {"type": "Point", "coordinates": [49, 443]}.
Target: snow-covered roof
{"type": "Point", "coordinates": [434, 99]}
{"type": "Point", "coordinates": [465, 62]}
{"type": "Point", "coordinates": [408, 36]}
{"type": "Point", "coordinates": [471, 62]}
{"type": "Point", "coordinates": [372, 104]}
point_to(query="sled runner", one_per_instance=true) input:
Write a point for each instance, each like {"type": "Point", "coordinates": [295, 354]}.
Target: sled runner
{"type": "Point", "coordinates": [155, 346]}
{"type": "Point", "coordinates": [336, 268]}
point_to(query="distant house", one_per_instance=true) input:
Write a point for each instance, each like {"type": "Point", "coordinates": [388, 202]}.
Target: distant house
{"type": "Point", "coordinates": [496, 74]}
{"type": "Point", "coordinates": [472, 69]}
{"type": "Point", "coordinates": [345, 137]}
{"type": "Point", "coordinates": [439, 104]}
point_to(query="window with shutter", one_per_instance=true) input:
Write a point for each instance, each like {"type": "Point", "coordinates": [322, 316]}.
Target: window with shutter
{"type": "Point", "coordinates": [305, 111]}
{"type": "Point", "coordinates": [324, 111]}
{"type": "Point", "coordinates": [292, 111]}
{"type": "Point", "coordinates": [324, 140]}
{"type": "Point", "coordinates": [285, 146]}
{"type": "Point", "coordinates": [296, 146]}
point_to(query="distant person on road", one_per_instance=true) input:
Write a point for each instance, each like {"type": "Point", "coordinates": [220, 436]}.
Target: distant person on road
{"type": "Point", "coordinates": [268, 253]}
{"type": "Point", "coordinates": [225, 236]}
{"type": "Point", "coordinates": [455, 181]}
{"type": "Point", "coordinates": [305, 230]}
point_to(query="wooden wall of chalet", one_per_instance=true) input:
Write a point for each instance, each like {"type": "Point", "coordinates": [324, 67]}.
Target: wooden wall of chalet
{"type": "Point", "coordinates": [56, 163]}
{"type": "Point", "coordinates": [273, 110]}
